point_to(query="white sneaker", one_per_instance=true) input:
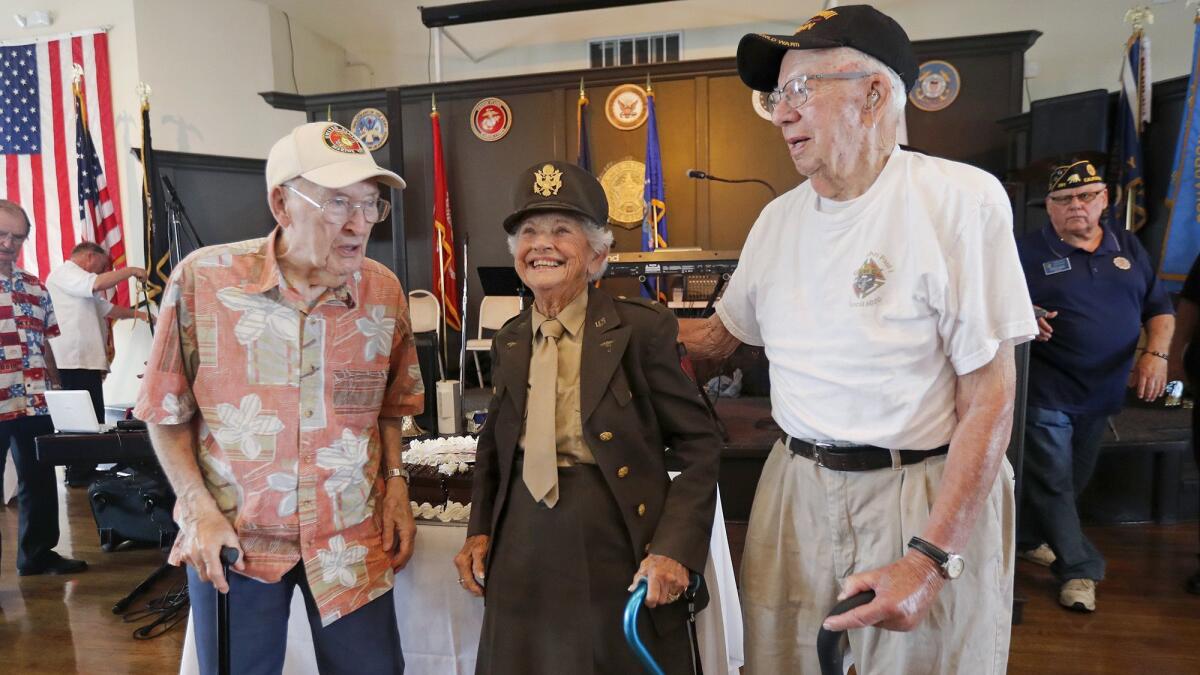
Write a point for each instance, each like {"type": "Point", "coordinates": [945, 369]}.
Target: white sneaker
{"type": "Point", "coordinates": [1079, 595]}
{"type": "Point", "coordinates": [1042, 555]}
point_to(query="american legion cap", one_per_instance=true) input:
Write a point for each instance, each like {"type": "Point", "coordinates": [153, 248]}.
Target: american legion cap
{"type": "Point", "coordinates": [327, 154]}
{"type": "Point", "coordinates": [1073, 174]}
{"type": "Point", "coordinates": [557, 186]}
{"type": "Point", "coordinates": [861, 27]}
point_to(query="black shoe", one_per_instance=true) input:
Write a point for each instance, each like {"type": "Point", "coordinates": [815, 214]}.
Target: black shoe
{"type": "Point", "coordinates": [56, 565]}
{"type": "Point", "coordinates": [1193, 583]}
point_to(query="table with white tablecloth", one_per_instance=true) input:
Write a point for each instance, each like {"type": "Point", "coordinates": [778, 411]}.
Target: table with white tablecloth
{"type": "Point", "coordinates": [439, 622]}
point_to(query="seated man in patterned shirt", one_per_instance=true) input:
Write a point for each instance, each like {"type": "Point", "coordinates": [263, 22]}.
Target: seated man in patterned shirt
{"type": "Point", "coordinates": [274, 393]}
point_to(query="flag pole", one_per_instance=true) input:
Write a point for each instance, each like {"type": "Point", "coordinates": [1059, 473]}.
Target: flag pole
{"type": "Point", "coordinates": [441, 246]}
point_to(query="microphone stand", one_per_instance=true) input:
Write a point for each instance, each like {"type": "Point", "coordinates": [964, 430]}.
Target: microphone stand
{"type": "Point", "coordinates": [700, 175]}
{"type": "Point", "coordinates": [177, 215]}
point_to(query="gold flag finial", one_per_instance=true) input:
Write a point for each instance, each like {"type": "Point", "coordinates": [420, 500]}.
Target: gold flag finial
{"type": "Point", "coordinates": [329, 113]}
{"type": "Point", "coordinates": [1140, 17]}
{"type": "Point", "coordinates": [649, 89]}
{"type": "Point", "coordinates": [582, 92]}
{"type": "Point", "coordinates": [143, 91]}
{"type": "Point", "coordinates": [1197, 4]}
{"type": "Point", "coordinates": [432, 103]}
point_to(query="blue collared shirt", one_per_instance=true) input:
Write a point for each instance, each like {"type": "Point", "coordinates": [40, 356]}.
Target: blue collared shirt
{"type": "Point", "coordinates": [1102, 299]}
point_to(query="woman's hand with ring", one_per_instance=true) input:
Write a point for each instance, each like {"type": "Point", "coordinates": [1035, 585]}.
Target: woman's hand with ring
{"type": "Point", "coordinates": [666, 579]}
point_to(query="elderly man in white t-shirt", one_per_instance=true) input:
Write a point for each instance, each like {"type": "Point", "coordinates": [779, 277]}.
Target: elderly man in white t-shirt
{"type": "Point", "coordinates": [887, 293]}
{"type": "Point", "coordinates": [77, 289]}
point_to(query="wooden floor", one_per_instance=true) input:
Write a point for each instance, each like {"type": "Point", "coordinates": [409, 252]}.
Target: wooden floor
{"type": "Point", "coordinates": [1145, 622]}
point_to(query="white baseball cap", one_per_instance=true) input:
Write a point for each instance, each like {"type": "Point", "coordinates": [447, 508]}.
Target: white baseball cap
{"type": "Point", "coordinates": [327, 154]}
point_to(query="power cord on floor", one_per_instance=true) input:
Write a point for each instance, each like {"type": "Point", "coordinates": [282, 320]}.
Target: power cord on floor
{"type": "Point", "coordinates": [166, 610]}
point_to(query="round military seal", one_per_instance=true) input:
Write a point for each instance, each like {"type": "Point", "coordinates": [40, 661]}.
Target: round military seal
{"type": "Point", "coordinates": [626, 108]}
{"type": "Point", "coordinates": [491, 118]}
{"type": "Point", "coordinates": [938, 84]}
{"type": "Point", "coordinates": [371, 126]}
{"type": "Point", "coordinates": [758, 100]}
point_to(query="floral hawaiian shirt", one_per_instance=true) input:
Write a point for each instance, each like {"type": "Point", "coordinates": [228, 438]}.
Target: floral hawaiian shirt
{"type": "Point", "coordinates": [26, 322]}
{"type": "Point", "coordinates": [289, 399]}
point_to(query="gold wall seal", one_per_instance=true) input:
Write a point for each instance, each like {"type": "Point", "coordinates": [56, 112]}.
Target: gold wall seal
{"type": "Point", "coordinates": [624, 183]}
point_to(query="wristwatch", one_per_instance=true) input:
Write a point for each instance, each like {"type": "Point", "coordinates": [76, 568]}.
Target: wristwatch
{"type": "Point", "coordinates": [950, 564]}
{"type": "Point", "coordinates": [393, 472]}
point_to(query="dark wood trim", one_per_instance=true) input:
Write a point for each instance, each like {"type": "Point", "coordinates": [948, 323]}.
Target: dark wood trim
{"type": "Point", "coordinates": [1165, 90]}
{"type": "Point", "coordinates": [396, 153]}
{"type": "Point", "coordinates": [166, 159]}
{"type": "Point", "coordinates": [977, 45]}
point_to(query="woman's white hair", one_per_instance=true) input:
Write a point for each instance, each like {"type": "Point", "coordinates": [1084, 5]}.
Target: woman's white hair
{"type": "Point", "coordinates": [899, 95]}
{"type": "Point", "coordinates": [599, 237]}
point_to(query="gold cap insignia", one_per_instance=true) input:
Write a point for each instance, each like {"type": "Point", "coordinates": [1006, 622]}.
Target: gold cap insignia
{"type": "Point", "coordinates": [548, 181]}
{"type": "Point", "coordinates": [820, 16]}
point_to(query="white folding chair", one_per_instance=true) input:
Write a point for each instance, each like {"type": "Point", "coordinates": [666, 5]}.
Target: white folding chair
{"type": "Point", "coordinates": [494, 311]}
{"type": "Point", "coordinates": [425, 314]}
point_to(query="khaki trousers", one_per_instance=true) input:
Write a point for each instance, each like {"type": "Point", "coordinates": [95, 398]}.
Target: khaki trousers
{"type": "Point", "coordinates": [812, 527]}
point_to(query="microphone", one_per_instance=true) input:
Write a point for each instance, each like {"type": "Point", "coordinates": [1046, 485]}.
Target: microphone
{"type": "Point", "coordinates": [701, 175]}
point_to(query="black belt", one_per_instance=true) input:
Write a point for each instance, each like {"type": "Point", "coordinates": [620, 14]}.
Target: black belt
{"type": "Point", "coordinates": [859, 457]}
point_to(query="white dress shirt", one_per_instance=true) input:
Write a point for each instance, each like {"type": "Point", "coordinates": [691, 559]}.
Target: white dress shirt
{"type": "Point", "coordinates": [81, 318]}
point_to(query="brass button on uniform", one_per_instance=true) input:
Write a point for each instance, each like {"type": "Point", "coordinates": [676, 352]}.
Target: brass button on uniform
{"type": "Point", "coordinates": [606, 436]}
{"type": "Point", "coordinates": [622, 472]}
{"type": "Point", "coordinates": [641, 509]}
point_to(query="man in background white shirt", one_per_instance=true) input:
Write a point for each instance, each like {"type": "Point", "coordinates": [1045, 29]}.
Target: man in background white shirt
{"type": "Point", "coordinates": [77, 289]}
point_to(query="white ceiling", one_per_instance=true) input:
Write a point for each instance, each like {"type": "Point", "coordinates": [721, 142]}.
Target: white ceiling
{"type": "Point", "coordinates": [390, 31]}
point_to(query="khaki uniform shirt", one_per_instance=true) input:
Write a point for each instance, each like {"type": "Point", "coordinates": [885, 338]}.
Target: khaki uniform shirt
{"type": "Point", "coordinates": [568, 422]}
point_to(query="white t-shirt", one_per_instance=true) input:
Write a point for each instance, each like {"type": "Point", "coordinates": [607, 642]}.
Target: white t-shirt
{"type": "Point", "coordinates": [80, 318]}
{"type": "Point", "coordinates": [869, 310]}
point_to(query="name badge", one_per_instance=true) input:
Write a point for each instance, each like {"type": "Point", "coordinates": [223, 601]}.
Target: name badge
{"type": "Point", "coordinates": [1056, 266]}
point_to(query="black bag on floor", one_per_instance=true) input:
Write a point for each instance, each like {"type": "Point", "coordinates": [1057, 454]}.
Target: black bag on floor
{"type": "Point", "coordinates": [133, 505]}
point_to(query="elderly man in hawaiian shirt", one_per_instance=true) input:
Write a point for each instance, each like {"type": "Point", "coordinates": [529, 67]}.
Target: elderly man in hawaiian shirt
{"type": "Point", "coordinates": [280, 372]}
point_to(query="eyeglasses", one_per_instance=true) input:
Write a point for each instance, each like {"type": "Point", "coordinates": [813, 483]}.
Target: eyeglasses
{"type": "Point", "coordinates": [17, 239]}
{"type": "Point", "coordinates": [795, 90]}
{"type": "Point", "coordinates": [339, 210]}
{"type": "Point", "coordinates": [1083, 197]}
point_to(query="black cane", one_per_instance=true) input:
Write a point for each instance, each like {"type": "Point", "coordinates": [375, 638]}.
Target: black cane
{"type": "Point", "coordinates": [829, 648]}
{"type": "Point", "coordinates": [229, 556]}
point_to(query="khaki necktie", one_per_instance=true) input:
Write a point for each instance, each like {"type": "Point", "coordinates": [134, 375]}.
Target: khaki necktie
{"type": "Point", "coordinates": [541, 456]}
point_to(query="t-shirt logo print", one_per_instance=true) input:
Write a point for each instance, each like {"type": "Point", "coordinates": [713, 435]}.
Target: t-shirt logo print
{"type": "Point", "coordinates": [868, 278]}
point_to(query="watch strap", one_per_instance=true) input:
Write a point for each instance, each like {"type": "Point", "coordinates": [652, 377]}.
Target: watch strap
{"type": "Point", "coordinates": [929, 550]}
{"type": "Point", "coordinates": [397, 471]}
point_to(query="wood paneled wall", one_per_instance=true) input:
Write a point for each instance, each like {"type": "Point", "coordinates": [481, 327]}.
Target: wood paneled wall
{"type": "Point", "coordinates": [705, 121]}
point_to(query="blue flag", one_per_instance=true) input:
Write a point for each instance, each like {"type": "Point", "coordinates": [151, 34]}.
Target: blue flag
{"type": "Point", "coordinates": [1181, 243]}
{"type": "Point", "coordinates": [654, 225]}
{"type": "Point", "coordinates": [1129, 209]}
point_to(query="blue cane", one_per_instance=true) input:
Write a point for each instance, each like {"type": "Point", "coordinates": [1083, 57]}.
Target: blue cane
{"type": "Point", "coordinates": [634, 606]}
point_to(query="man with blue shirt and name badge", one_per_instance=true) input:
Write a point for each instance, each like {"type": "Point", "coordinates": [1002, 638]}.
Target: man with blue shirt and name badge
{"type": "Point", "coordinates": [1093, 288]}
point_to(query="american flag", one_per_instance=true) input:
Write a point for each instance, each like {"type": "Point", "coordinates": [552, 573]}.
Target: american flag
{"type": "Point", "coordinates": [96, 211]}
{"type": "Point", "coordinates": [40, 167]}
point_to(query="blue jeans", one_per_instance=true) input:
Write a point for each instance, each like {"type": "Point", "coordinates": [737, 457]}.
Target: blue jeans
{"type": "Point", "coordinates": [365, 641]}
{"type": "Point", "coordinates": [1060, 455]}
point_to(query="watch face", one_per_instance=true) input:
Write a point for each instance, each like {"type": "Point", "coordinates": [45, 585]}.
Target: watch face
{"type": "Point", "coordinates": [954, 566]}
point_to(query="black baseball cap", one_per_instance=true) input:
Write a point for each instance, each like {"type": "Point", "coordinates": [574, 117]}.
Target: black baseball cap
{"type": "Point", "coordinates": [861, 27]}
{"type": "Point", "coordinates": [557, 186]}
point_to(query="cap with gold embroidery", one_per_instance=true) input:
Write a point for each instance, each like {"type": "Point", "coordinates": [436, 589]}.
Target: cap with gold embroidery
{"type": "Point", "coordinates": [557, 186]}
{"type": "Point", "coordinates": [1073, 175]}
{"type": "Point", "coordinates": [860, 27]}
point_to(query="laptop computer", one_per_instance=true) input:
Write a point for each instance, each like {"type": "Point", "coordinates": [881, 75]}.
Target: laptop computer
{"type": "Point", "coordinates": [72, 412]}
